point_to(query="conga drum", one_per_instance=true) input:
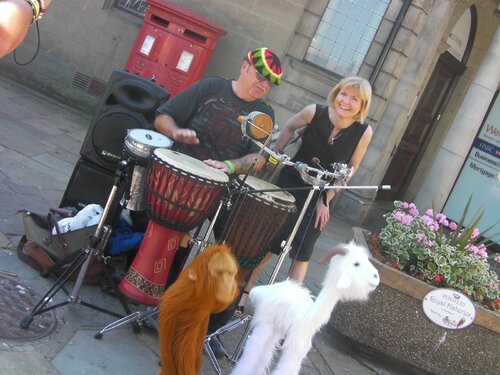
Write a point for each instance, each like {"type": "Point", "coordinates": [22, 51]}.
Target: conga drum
{"type": "Point", "coordinates": [255, 219]}
{"type": "Point", "coordinates": [139, 146]}
{"type": "Point", "coordinates": [181, 193]}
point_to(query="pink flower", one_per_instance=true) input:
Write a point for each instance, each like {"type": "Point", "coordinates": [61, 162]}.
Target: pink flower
{"type": "Point", "coordinates": [421, 238]}
{"type": "Point", "coordinates": [441, 218]}
{"type": "Point", "coordinates": [413, 212]}
{"type": "Point", "coordinates": [429, 212]}
{"type": "Point", "coordinates": [402, 217]}
{"type": "Point", "coordinates": [428, 220]}
{"type": "Point", "coordinates": [407, 219]}
{"type": "Point", "coordinates": [497, 259]}
{"type": "Point", "coordinates": [453, 225]}
{"type": "Point", "coordinates": [475, 233]}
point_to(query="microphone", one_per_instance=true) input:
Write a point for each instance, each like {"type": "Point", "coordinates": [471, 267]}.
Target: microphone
{"type": "Point", "coordinates": [315, 160]}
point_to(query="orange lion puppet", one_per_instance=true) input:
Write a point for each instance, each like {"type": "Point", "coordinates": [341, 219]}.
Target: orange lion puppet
{"type": "Point", "coordinates": [205, 286]}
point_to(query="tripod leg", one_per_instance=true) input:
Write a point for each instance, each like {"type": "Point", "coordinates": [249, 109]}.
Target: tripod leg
{"type": "Point", "coordinates": [61, 280]}
{"type": "Point", "coordinates": [107, 273]}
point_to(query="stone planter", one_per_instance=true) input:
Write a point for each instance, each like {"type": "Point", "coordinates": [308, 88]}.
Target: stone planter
{"type": "Point", "coordinates": [393, 322]}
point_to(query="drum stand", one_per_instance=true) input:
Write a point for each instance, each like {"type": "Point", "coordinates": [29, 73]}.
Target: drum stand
{"type": "Point", "coordinates": [95, 247]}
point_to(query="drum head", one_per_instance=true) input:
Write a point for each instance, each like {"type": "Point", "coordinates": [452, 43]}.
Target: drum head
{"type": "Point", "coordinates": [258, 127]}
{"type": "Point", "coordinates": [142, 142]}
{"type": "Point", "coordinates": [190, 165]}
{"type": "Point", "coordinates": [278, 197]}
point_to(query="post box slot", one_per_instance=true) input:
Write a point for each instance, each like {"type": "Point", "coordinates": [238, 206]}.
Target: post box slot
{"type": "Point", "coordinates": [160, 20]}
{"type": "Point", "coordinates": [195, 35]}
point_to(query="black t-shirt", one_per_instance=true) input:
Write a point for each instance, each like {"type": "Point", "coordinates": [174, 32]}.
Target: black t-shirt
{"type": "Point", "coordinates": [211, 108]}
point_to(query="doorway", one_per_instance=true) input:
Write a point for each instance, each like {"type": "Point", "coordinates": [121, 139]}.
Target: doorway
{"type": "Point", "coordinates": [421, 127]}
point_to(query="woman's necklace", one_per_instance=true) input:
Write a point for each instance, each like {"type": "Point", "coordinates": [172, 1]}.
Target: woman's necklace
{"type": "Point", "coordinates": [337, 136]}
{"type": "Point", "coordinates": [332, 139]}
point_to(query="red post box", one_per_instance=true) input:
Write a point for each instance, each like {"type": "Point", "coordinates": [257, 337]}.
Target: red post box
{"type": "Point", "coordinates": [173, 45]}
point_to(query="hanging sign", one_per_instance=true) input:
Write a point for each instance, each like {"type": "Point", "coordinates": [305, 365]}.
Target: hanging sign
{"type": "Point", "coordinates": [448, 308]}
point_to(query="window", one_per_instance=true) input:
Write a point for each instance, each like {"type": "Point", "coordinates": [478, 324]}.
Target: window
{"type": "Point", "coordinates": [137, 7]}
{"type": "Point", "coordinates": [345, 33]}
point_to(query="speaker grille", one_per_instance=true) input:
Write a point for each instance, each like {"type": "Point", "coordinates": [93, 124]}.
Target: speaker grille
{"type": "Point", "coordinates": [128, 101]}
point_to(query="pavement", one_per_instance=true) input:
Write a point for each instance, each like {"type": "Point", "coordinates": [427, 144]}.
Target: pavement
{"type": "Point", "coordinates": [40, 142]}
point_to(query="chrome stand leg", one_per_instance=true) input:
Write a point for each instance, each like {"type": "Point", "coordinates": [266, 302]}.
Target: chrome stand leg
{"type": "Point", "coordinates": [227, 328]}
{"type": "Point", "coordinates": [137, 316]}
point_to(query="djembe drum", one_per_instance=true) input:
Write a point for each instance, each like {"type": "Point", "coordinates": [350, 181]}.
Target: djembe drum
{"type": "Point", "coordinates": [256, 218]}
{"type": "Point", "coordinates": [181, 193]}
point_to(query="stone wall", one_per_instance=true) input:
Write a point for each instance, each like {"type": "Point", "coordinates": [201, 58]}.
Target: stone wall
{"type": "Point", "coordinates": [83, 42]}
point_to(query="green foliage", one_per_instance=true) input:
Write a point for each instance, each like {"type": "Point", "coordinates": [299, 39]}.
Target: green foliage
{"type": "Point", "coordinates": [437, 251]}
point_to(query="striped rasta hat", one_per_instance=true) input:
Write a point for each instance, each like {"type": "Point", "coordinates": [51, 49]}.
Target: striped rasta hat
{"type": "Point", "coordinates": [265, 61]}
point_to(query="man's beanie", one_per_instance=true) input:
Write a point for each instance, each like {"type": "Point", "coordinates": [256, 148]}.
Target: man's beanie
{"type": "Point", "coordinates": [265, 61]}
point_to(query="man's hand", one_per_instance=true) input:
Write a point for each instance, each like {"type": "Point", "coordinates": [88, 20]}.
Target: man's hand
{"type": "Point", "coordinates": [187, 136]}
{"type": "Point", "coordinates": [220, 165]}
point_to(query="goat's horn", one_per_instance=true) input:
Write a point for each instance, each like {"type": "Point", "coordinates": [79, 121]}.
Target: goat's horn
{"type": "Point", "coordinates": [337, 250]}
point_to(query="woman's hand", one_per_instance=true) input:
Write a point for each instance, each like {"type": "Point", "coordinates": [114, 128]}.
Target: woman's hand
{"type": "Point", "coordinates": [322, 215]}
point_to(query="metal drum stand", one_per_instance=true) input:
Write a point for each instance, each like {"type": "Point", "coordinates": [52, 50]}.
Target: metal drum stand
{"type": "Point", "coordinates": [95, 248]}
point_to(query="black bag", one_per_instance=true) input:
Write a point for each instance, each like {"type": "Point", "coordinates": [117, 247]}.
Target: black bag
{"type": "Point", "coordinates": [52, 254]}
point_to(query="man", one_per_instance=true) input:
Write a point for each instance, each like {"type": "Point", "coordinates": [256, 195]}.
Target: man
{"type": "Point", "coordinates": [203, 122]}
{"type": "Point", "coordinates": [203, 119]}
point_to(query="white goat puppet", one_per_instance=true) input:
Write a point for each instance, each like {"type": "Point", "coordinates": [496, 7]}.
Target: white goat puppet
{"type": "Point", "coordinates": [285, 310]}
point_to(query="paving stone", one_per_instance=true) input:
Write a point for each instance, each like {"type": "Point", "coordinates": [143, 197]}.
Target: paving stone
{"type": "Point", "coordinates": [29, 362]}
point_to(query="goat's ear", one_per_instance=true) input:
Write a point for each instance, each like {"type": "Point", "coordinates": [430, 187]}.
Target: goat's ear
{"type": "Point", "coordinates": [337, 250]}
{"type": "Point", "coordinates": [344, 281]}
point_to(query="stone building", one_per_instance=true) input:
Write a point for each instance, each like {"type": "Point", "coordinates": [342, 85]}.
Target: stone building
{"type": "Point", "coordinates": [434, 66]}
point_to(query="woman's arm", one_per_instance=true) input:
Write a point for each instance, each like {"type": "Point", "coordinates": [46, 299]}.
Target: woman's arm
{"type": "Point", "coordinates": [295, 122]}
{"type": "Point", "coordinates": [322, 207]}
{"type": "Point", "coordinates": [16, 16]}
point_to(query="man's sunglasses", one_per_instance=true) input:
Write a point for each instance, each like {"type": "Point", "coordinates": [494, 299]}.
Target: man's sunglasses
{"type": "Point", "coordinates": [259, 76]}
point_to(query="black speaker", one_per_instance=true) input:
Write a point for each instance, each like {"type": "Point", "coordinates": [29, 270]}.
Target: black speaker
{"type": "Point", "coordinates": [90, 183]}
{"type": "Point", "coordinates": [129, 102]}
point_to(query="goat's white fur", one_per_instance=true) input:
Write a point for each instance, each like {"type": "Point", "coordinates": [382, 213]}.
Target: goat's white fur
{"type": "Point", "coordinates": [286, 310]}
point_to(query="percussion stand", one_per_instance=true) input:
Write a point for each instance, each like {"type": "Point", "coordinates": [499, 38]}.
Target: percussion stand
{"type": "Point", "coordinates": [95, 247]}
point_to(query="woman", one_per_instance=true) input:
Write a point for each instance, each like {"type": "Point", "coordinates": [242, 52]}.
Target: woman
{"type": "Point", "coordinates": [334, 133]}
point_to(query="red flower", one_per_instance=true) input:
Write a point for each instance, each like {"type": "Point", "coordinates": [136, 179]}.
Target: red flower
{"type": "Point", "coordinates": [394, 265]}
{"type": "Point", "coordinates": [438, 277]}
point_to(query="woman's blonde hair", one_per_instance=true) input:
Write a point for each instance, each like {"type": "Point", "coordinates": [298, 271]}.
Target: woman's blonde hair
{"type": "Point", "coordinates": [364, 91]}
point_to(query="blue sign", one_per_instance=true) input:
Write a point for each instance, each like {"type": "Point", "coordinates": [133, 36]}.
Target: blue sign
{"type": "Point", "coordinates": [480, 177]}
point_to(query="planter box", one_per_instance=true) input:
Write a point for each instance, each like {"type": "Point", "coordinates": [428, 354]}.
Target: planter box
{"type": "Point", "coordinates": [394, 323]}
